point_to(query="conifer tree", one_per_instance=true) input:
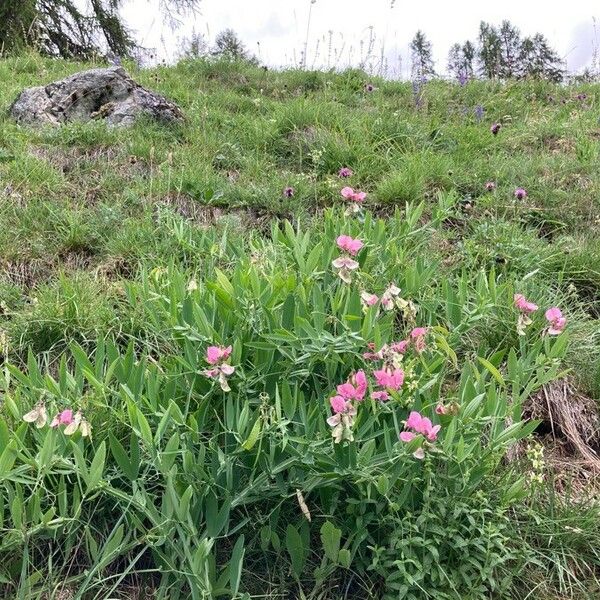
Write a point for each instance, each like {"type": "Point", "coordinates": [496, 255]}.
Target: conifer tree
{"type": "Point", "coordinates": [70, 28]}
{"type": "Point", "coordinates": [539, 60]}
{"type": "Point", "coordinates": [421, 56]}
{"type": "Point", "coordinates": [488, 51]}
{"type": "Point", "coordinates": [510, 44]}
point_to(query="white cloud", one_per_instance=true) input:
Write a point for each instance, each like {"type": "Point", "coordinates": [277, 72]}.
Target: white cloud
{"type": "Point", "coordinates": [279, 27]}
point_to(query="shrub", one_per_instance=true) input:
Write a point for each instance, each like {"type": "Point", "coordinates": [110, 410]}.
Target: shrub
{"type": "Point", "coordinates": [219, 453]}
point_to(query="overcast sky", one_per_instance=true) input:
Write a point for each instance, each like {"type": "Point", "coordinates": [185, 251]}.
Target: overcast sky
{"type": "Point", "coordinates": [276, 30]}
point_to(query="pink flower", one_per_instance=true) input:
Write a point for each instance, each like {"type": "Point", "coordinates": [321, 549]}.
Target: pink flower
{"type": "Point", "coordinates": [345, 172]}
{"type": "Point", "coordinates": [557, 322]}
{"type": "Point", "coordinates": [520, 194]}
{"type": "Point", "coordinates": [368, 299]}
{"type": "Point", "coordinates": [63, 418]}
{"type": "Point", "coordinates": [432, 433]}
{"type": "Point", "coordinates": [495, 128]}
{"type": "Point", "coordinates": [422, 425]}
{"type": "Point", "coordinates": [440, 409]}
{"type": "Point", "coordinates": [338, 404]}
{"type": "Point", "coordinates": [348, 244]}
{"type": "Point", "coordinates": [345, 262]}
{"type": "Point", "coordinates": [342, 419]}
{"type": "Point", "coordinates": [215, 354]}
{"type": "Point", "coordinates": [400, 347]}
{"type": "Point", "coordinates": [418, 337]}
{"type": "Point", "coordinates": [388, 300]}
{"type": "Point", "coordinates": [373, 355]}
{"type": "Point", "coordinates": [407, 436]}
{"type": "Point", "coordinates": [345, 265]}
{"type": "Point", "coordinates": [387, 378]}
{"type": "Point", "coordinates": [523, 304]}
{"type": "Point", "coordinates": [355, 388]}
{"type": "Point", "coordinates": [419, 453]}
{"type": "Point", "coordinates": [353, 196]}
{"type": "Point", "coordinates": [381, 396]}
{"type": "Point", "coordinates": [490, 186]}
{"type": "Point", "coordinates": [414, 420]}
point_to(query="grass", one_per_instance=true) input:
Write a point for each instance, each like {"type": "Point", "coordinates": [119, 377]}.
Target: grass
{"type": "Point", "coordinates": [104, 229]}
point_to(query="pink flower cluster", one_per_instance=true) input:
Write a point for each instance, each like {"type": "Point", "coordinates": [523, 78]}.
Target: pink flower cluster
{"type": "Point", "coordinates": [221, 370]}
{"type": "Point", "coordinates": [554, 316]}
{"type": "Point", "coordinates": [419, 425]}
{"type": "Point", "coordinates": [389, 378]}
{"type": "Point", "coordinates": [345, 264]}
{"type": "Point", "coordinates": [556, 320]}
{"type": "Point", "coordinates": [71, 421]}
{"type": "Point", "coordinates": [390, 298]}
{"type": "Point", "coordinates": [354, 197]}
{"type": "Point", "coordinates": [416, 339]}
{"type": "Point", "coordinates": [343, 407]}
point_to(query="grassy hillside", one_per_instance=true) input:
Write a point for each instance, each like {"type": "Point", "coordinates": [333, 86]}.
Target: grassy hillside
{"type": "Point", "coordinates": [123, 254]}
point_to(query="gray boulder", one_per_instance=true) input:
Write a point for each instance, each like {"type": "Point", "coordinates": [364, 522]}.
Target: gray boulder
{"type": "Point", "coordinates": [108, 94]}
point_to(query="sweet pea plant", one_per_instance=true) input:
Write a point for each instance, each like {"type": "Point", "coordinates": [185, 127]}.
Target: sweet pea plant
{"type": "Point", "coordinates": [310, 409]}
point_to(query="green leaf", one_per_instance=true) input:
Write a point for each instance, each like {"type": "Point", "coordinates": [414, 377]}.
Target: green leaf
{"type": "Point", "coordinates": [235, 565]}
{"type": "Point", "coordinates": [121, 457]}
{"type": "Point", "coordinates": [295, 548]}
{"type": "Point", "coordinates": [492, 369]}
{"type": "Point", "coordinates": [330, 538]}
{"type": "Point", "coordinates": [254, 435]}
{"type": "Point", "coordinates": [345, 558]}
{"type": "Point", "coordinates": [96, 468]}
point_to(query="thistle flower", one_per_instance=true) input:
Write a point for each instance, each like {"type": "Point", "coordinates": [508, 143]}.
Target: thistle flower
{"type": "Point", "coordinates": [520, 193]}
{"type": "Point", "coordinates": [495, 128]}
{"type": "Point", "coordinates": [345, 172]}
{"type": "Point", "coordinates": [490, 186]}
{"type": "Point", "coordinates": [288, 192]}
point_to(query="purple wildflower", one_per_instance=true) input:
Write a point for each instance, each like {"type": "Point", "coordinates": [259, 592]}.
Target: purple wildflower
{"type": "Point", "coordinates": [479, 110]}
{"type": "Point", "coordinates": [495, 128]}
{"type": "Point", "coordinates": [520, 193]}
{"type": "Point", "coordinates": [288, 192]}
{"type": "Point", "coordinates": [369, 87]}
{"type": "Point", "coordinates": [490, 186]}
{"type": "Point", "coordinates": [345, 172]}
